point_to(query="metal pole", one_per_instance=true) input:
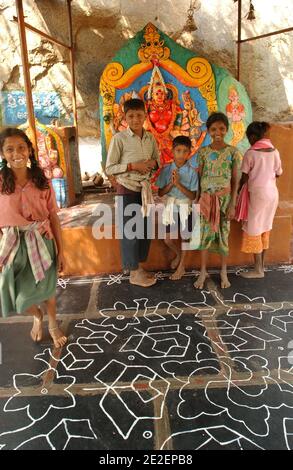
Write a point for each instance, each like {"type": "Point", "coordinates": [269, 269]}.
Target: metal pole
{"type": "Point", "coordinates": [280, 31]}
{"type": "Point", "coordinates": [71, 184]}
{"type": "Point", "coordinates": [42, 34]}
{"type": "Point", "coordinates": [26, 73]}
{"type": "Point", "coordinates": [72, 62]}
{"type": "Point", "coordinates": [239, 39]}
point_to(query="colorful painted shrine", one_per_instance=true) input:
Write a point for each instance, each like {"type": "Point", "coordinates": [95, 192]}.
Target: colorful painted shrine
{"type": "Point", "coordinates": [50, 150]}
{"type": "Point", "coordinates": [179, 89]}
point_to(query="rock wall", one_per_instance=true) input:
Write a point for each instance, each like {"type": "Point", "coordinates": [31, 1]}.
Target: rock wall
{"type": "Point", "coordinates": [101, 28]}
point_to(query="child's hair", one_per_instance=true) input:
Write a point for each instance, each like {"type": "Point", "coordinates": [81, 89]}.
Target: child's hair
{"type": "Point", "coordinates": [257, 129]}
{"type": "Point", "coordinates": [181, 140]}
{"type": "Point", "coordinates": [215, 117]}
{"type": "Point", "coordinates": [7, 176]}
{"type": "Point", "coordinates": [133, 104]}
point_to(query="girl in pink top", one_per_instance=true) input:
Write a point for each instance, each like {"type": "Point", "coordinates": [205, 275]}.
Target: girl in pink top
{"type": "Point", "coordinates": [30, 243]}
{"type": "Point", "coordinates": [260, 167]}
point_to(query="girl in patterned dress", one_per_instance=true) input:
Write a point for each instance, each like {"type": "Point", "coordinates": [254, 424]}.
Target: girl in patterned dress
{"type": "Point", "coordinates": [29, 231]}
{"type": "Point", "coordinates": [219, 173]}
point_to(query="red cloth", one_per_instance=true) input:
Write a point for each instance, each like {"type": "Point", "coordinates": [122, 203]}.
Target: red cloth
{"type": "Point", "coordinates": [242, 204]}
{"type": "Point", "coordinates": [210, 207]}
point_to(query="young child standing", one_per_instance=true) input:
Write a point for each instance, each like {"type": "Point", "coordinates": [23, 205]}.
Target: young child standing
{"type": "Point", "coordinates": [219, 166]}
{"type": "Point", "coordinates": [132, 156]}
{"type": "Point", "coordinates": [29, 226]}
{"type": "Point", "coordinates": [179, 181]}
{"type": "Point", "coordinates": [260, 167]}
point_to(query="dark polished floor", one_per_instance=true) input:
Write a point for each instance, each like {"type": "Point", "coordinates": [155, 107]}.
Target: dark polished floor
{"type": "Point", "coordinates": [166, 368]}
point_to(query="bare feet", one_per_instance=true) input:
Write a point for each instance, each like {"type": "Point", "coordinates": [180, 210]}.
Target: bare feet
{"type": "Point", "coordinates": [180, 271]}
{"type": "Point", "coordinates": [57, 336]}
{"type": "Point", "coordinates": [146, 273]}
{"type": "Point", "coordinates": [224, 280]}
{"type": "Point", "coordinates": [139, 278]}
{"type": "Point", "coordinates": [37, 329]}
{"type": "Point", "coordinates": [253, 275]}
{"type": "Point", "coordinates": [199, 283]}
{"type": "Point", "coordinates": [175, 262]}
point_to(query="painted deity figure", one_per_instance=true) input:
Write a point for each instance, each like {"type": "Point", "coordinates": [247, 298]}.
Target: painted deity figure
{"type": "Point", "coordinates": [163, 115]}
{"type": "Point", "coordinates": [160, 109]}
{"type": "Point", "coordinates": [48, 156]}
{"type": "Point", "coordinates": [119, 123]}
{"type": "Point", "coordinates": [235, 112]}
{"type": "Point", "coordinates": [191, 121]}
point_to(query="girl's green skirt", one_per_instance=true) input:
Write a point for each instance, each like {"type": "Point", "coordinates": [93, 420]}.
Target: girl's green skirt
{"type": "Point", "coordinates": [18, 288]}
{"type": "Point", "coordinates": [216, 242]}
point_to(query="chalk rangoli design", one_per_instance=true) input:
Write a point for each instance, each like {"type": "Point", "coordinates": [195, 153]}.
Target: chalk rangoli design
{"type": "Point", "coordinates": [217, 365]}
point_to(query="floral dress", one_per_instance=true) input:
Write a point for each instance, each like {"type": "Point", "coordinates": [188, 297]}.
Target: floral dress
{"type": "Point", "coordinates": [216, 175]}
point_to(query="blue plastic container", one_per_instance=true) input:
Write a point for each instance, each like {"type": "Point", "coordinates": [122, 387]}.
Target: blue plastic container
{"type": "Point", "coordinates": [61, 192]}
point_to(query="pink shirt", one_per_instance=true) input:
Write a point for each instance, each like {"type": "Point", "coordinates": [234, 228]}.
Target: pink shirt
{"type": "Point", "coordinates": [26, 205]}
{"type": "Point", "coordinates": [262, 168]}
